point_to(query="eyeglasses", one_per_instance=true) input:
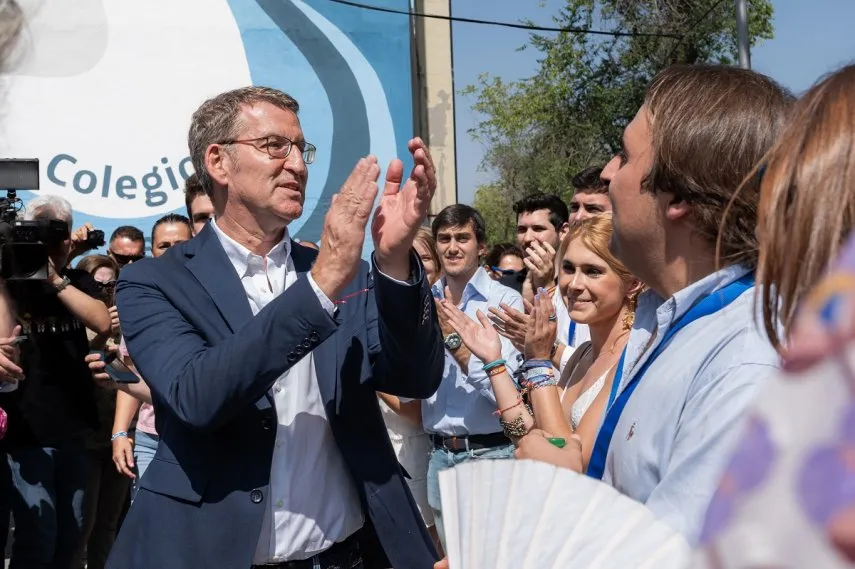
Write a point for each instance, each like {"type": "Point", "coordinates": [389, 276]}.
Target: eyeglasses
{"type": "Point", "coordinates": [503, 271]}
{"type": "Point", "coordinates": [109, 285]}
{"type": "Point", "coordinates": [278, 146]}
{"type": "Point", "coordinates": [125, 259]}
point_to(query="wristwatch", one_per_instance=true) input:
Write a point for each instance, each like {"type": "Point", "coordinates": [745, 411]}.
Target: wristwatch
{"type": "Point", "coordinates": [64, 283]}
{"type": "Point", "coordinates": [453, 341]}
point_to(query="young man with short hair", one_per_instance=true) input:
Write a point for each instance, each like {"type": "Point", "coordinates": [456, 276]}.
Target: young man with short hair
{"type": "Point", "coordinates": [460, 416]}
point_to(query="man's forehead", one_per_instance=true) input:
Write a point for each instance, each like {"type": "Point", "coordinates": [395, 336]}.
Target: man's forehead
{"type": "Point", "coordinates": [456, 229]}
{"type": "Point", "coordinates": [638, 130]}
{"type": "Point", "coordinates": [265, 119]}
{"type": "Point", "coordinates": [536, 216]}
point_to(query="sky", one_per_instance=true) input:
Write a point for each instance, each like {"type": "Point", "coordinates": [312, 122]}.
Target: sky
{"type": "Point", "coordinates": [811, 38]}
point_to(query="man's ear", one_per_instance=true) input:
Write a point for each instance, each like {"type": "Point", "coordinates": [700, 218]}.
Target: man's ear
{"type": "Point", "coordinates": [216, 159]}
{"type": "Point", "coordinates": [563, 231]}
{"type": "Point", "coordinates": [675, 209]}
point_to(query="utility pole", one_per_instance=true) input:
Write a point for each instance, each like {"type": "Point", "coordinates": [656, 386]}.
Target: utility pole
{"type": "Point", "coordinates": [743, 46]}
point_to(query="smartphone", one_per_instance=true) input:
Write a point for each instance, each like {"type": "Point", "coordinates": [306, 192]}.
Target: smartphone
{"type": "Point", "coordinates": [106, 358]}
{"type": "Point", "coordinates": [19, 339]}
{"type": "Point", "coordinates": [120, 373]}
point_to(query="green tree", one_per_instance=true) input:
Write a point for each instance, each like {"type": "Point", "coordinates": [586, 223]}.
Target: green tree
{"type": "Point", "coordinates": [542, 130]}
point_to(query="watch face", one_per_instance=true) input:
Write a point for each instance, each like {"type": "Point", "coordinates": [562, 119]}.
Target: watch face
{"type": "Point", "coordinates": [453, 341]}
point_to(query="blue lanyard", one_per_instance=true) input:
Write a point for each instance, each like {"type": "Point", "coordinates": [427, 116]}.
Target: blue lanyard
{"type": "Point", "coordinates": [571, 333]}
{"type": "Point", "coordinates": [709, 304]}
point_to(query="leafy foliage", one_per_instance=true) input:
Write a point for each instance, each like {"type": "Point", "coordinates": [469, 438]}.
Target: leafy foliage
{"type": "Point", "coordinates": [542, 130]}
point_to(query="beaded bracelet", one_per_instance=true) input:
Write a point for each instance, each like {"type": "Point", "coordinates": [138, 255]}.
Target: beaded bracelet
{"type": "Point", "coordinates": [546, 382]}
{"type": "Point", "coordinates": [494, 364]}
{"type": "Point", "coordinates": [118, 435]}
{"type": "Point", "coordinates": [515, 428]}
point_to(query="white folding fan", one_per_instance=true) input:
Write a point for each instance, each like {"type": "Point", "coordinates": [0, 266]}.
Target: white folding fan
{"type": "Point", "coordinates": [521, 514]}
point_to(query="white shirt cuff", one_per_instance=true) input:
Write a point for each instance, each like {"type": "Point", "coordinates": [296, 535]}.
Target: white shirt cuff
{"type": "Point", "coordinates": [326, 303]}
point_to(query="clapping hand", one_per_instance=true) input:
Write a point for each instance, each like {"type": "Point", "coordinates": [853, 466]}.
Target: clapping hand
{"type": "Point", "coordinates": [542, 328]}
{"type": "Point", "coordinates": [344, 229]}
{"type": "Point", "coordinates": [510, 323]}
{"type": "Point", "coordinates": [540, 261]}
{"type": "Point", "coordinates": [401, 211]}
{"type": "Point", "coordinates": [480, 337]}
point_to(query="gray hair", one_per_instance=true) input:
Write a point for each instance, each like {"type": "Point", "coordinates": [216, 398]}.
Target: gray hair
{"type": "Point", "coordinates": [11, 24]}
{"type": "Point", "coordinates": [216, 121]}
{"type": "Point", "coordinates": [49, 207]}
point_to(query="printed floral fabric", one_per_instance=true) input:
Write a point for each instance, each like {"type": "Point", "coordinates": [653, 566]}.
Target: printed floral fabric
{"type": "Point", "coordinates": [793, 472]}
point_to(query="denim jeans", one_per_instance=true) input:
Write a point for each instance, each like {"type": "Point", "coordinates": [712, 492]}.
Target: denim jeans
{"type": "Point", "coordinates": [145, 445]}
{"type": "Point", "coordinates": [47, 502]}
{"type": "Point", "coordinates": [440, 459]}
{"type": "Point", "coordinates": [106, 496]}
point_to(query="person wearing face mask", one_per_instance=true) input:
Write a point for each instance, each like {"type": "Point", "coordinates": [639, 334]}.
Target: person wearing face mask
{"type": "Point", "coordinates": [504, 263]}
{"type": "Point", "coordinates": [54, 406]}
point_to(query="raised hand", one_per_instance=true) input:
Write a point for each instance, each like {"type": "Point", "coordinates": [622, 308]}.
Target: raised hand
{"type": "Point", "coordinates": [344, 229]}
{"type": "Point", "coordinates": [480, 337]}
{"type": "Point", "coordinates": [542, 328]}
{"type": "Point", "coordinates": [510, 323]}
{"type": "Point", "coordinates": [401, 211]}
{"type": "Point", "coordinates": [540, 261]}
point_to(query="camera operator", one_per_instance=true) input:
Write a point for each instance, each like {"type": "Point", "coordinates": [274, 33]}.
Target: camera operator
{"type": "Point", "coordinates": [54, 406]}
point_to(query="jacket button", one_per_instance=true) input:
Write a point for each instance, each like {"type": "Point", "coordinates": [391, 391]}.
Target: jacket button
{"type": "Point", "coordinates": [292, 357]}
{"type": "Point", "coordinates": [266, 423]}
{"type": "Point", "coordinates": [299, 351]}
{"type": "Point", "coordinates": [314, 336]}
{"type": "Point", "coordinates": [256, 496]}
{"type": "Point", "coordinates": [306, 344]}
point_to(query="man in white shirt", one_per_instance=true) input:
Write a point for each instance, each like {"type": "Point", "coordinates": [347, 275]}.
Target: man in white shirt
{"type": "Point", "coordinates": [263, 358]}
{"type": "Point", "coordinates": [684, 223]}
{"type": "Point", "coordinates": [461, 416]}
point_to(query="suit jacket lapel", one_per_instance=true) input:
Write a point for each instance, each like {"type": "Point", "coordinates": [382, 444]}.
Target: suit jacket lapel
{"type": "Point", "coordinates": [326, 355]}
{"type": "Point", "coordinates": [211, 266]}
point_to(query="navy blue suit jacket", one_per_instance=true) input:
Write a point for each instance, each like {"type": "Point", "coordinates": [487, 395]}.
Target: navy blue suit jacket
{"type": "Point", "coordinates": [210, 364]}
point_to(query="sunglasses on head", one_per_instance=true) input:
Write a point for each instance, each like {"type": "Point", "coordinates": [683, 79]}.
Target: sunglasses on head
{"type": "Point", "coordinates": [109, 285]}
{"type": "Point", "coordinates": [125, 259]}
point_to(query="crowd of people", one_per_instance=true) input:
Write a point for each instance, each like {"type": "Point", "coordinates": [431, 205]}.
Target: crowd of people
{"type": "Point", "coordinates": [293, 405]}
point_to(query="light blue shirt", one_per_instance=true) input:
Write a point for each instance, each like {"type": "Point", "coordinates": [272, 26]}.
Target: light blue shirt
{"type": "Point", "coordinates": [676, 432]}
{"type": "Point", "coordinates": [465, 404]}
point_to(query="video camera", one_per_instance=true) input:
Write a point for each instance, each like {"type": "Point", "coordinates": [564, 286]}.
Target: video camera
{"type": "Point", "coordinates": [24, 245]}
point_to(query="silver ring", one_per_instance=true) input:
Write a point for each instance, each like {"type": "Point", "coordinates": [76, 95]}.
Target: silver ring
{"type": "Point", "coordinates": [553, 317]}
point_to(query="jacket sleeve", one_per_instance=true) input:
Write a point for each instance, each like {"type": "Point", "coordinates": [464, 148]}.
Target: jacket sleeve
{"type": "Point", "coordinates": [405, 341]}
{"type": "Point", "coordinates": [206, 385]}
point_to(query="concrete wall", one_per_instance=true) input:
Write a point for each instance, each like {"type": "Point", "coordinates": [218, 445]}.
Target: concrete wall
{"type": "Point", "coordinates": [433, 94]}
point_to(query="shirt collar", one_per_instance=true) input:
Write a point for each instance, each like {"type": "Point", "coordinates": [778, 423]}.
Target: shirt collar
{"type": "Point", "coordinates": [480, 284]}
{"type": "Point", "coordinates": [684, 299]}
{"type": "Point", "coordinates": [240, 256]}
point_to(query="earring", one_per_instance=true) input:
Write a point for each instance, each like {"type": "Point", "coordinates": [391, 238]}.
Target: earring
{"type": "Point", "coordinates": [629, 317]}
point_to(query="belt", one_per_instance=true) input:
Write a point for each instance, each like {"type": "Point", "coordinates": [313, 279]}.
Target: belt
{"type": "Point", "coordinates": [470, 442]}
{"type": "Point", "coordinates": [344, 555]}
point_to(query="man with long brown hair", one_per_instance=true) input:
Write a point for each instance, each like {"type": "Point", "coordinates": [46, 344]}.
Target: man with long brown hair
{"type": "Point", "coordinates": [696, 356]}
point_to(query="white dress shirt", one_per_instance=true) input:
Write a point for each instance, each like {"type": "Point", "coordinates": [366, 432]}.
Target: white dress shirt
{"type": "Point", "coordinates": [312, 502]}
{"type": "Point", "coordinates": [465, 403]}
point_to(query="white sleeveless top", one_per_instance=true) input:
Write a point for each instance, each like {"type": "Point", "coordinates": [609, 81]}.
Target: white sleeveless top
{"type": "Point", "coordinates": [586, 398]}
